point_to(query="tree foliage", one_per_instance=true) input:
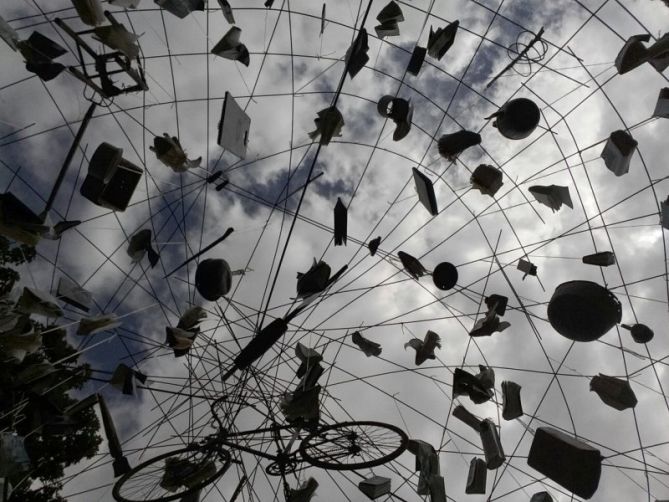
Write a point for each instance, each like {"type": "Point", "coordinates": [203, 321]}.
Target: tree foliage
{"type": "Point", "coordinates": [53, 441]}
{"type": "Point", "coordinates": [12, 255]}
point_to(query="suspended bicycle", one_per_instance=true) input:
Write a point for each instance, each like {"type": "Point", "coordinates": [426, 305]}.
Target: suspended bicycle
{"type": "Point", "coordinates": [339, 446]}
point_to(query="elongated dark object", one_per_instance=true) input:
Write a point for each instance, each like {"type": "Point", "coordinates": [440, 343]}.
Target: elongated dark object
{"type": "Point", "coordinates": [260, 344]}
{"type": "Point", "coordinates": [120, 464]}
{"type": "Point", "coordinates": [323, 19]}
{"type": "Point", "coordinates": [68, 159]}
{"type": "Point", "coordinates": [340, 223]}
{"type": "Point", "coordinates": [213, 177]}
{"type": "Point", "coordinates": [238, 490]}
{"type": "Point", "coordinates": [217, 241]}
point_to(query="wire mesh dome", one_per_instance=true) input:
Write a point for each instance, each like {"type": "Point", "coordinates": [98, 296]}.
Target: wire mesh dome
{"type": "Point", "coordinates": [231, 129]}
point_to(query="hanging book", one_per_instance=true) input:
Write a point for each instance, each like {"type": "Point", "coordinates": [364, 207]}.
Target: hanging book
{"type": "Point", "coordinates": [233, 129]}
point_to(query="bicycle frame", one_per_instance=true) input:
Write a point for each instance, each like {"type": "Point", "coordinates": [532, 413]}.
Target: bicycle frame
{"type": "Point", "coordinates": [224, 437]}
{"type": "Point", "coordinates": [287, 454]}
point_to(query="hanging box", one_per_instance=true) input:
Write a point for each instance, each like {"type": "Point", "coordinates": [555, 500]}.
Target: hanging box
{"type": "Point", "coordinates": [618, 152]}
{"type": "Point", "coordinates": [464, 415]}
{"type": "Point", "coordinates": [111, 180]}
{"type": "Point", "coordinates": [571, 463]}
{"type": "Point", "coordinates": [375, 486]}
{"type": "Point", "coordinates": [601, 259]}
{"type": "Point", "coordinates": [476, 479]}
{"type": "Point", "coordinates": [511, 404]}
{"type": "Point", "coordinates": [416, 61]}
{"type": "Point", "coordinates": [492, 446]}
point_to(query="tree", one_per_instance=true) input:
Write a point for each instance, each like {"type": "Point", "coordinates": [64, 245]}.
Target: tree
{"type": "Point", "coordinates": [51, 453]}
{"type": "Point", "coordinates": [12, 255]}
{"type": "Point", "coordinates": [34, 410]}
{"type": "Point", "coordinates": [42, 494]}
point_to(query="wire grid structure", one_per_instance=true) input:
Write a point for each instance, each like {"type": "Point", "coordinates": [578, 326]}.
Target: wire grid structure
{"type": "Point", "coordinates": [283, 216]}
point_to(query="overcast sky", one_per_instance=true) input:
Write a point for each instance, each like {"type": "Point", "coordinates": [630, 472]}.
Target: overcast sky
{"type": "Point", "coordinates": [293, 74]}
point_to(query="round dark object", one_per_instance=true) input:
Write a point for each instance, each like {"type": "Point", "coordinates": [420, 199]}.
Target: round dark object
{"type": "Point", "coordinates": [213, 278]}
{"type": "Point", "coordinates": [517, 119]}
{"type": "Point", "coordinates": [583, 311]}
{"type": "Point", "coordinates": [445, 275]}
{"type": "Point", "coordinates": [641, 333]}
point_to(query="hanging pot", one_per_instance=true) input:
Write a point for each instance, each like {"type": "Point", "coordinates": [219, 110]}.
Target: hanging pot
{"type": "Point", "coordinates": [517, 119]}
{"type": "Point", "coordinates": [213, 278]}
{"type": "Point", "coordinates": [583, 311]}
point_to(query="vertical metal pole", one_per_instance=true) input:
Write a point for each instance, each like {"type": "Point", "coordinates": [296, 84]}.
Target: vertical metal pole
{"type": "Point", "coordinates": [68, 159]}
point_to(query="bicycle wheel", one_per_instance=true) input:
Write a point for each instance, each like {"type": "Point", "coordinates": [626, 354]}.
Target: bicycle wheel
{"type": "Point", "coordinates": [152, 481]}
{"type": "Point", "coordinates": [353, 445]}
